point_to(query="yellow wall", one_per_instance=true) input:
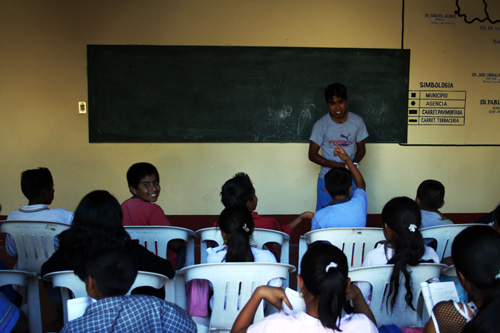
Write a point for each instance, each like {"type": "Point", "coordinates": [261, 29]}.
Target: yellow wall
{"type": "Point", "coordinates": [43, 76]}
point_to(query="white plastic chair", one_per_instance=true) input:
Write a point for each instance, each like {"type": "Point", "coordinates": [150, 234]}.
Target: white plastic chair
{"type": "Point", "coordinates": [29, 280]}
{"type": "Point", "coordinates": [68, 281]}
{"type": "Point", "coordinates": [379, 276]}
{"type": "Point", "coordinates": [354, 242]}
{"type": "Point", "coordinates": [444, 235]}
{"type": "Point", "coordinates": [34, 241]}
{"type": "Point", "coordinates": [260, 237]}
{"type": "Point", "coordinates": [211, 234]}
{"type": "Point", "coordinates": [233, 284]}
{"type": "Point", "coordinates": [156, 239]}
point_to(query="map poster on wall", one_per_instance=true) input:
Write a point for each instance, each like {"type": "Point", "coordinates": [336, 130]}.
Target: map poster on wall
{"type": "Point", "coordinates": [454, 90]}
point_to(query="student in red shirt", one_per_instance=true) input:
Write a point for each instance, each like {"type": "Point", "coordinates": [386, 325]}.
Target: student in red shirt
{"type": "Point", "coordinates": [239, 190]}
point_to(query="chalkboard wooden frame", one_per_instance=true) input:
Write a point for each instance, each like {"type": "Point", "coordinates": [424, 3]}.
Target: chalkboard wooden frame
{"type": "Point", "coordinates": [141, 93]}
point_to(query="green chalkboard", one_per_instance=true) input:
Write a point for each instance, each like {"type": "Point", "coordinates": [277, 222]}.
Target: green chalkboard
{"type": "Point", "coordinates": [239, 94]}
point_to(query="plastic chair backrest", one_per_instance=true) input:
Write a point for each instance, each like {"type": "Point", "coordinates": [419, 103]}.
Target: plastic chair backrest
{"type": "Point", "coordinates": [444, 235]}
{"type": "Point", "coordinates": [211, 234]}
{"type": "Point", "coordinates": [379, 276]}
{"type": "Point", "coordinates": [29, 280]}
{"type": "Point", "coordinates": [233, 284]}
{"type": "Point", "coordinates": [354, 242]}
{"type": "Point", "coordinates": [34, 241]}
{"type": "Point", "coordinates": [156, 239]}
{"type": "Point", "coordinates": [69, 281]}
{"type": "Point", "coordinates": [260, 237]}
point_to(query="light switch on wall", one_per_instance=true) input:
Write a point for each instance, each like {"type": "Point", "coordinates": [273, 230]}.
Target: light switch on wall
{"type": "Point", "coordinates": [82, 107]}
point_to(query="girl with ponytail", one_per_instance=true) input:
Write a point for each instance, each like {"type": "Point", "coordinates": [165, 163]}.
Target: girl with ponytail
{"type": "Point", "coordinates": [236, 226]}
{"type": "Point", "coordinates": [325, 289]}
{"type": "Point", "coordinates": [404, 246]}
{"type": "Point", "coordinates": [476, 255]}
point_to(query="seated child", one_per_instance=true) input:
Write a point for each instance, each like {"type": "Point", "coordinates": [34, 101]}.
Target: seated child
{"type": "Point", "coordinates": [476, 255]}
{"type": "Point", "coordinates": [405, 246]}
{"type": "Point", "coordinates": [38, 187]}
{"type": "Point", "coordinates": [430, 198]}
{"type": "Point", "coordinates": [144, 184]}
{"type": "Point", "coordinates": [236, 226]}
{"type": "Point", "coordinates": [99, 221]}
{"type": "Point", "coordinates": [110, 272]}
{"type": "Point", "coordinates": [325, 288]}
{"type": "Point", "coordinates": [239, 190]}
{"type": "Point", "coordinates": [347, 210]}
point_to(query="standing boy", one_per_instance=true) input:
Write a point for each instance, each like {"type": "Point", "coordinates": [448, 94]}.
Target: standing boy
{"type": "Point", "coordinates": [338, 127]}
{"type": "Point", "coordinates": [430, 198]}
{"type": "Point", "coordinates": [344, 210]}
{"type": "Point", "coordinates": [38, 187]}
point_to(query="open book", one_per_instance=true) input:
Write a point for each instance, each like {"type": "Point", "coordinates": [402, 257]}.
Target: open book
{"type": "Point", "coordinates": [434, 293]}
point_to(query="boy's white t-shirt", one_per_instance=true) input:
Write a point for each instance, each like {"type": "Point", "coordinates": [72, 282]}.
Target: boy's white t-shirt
{"type": "Point", "coordinates": [39, 212]}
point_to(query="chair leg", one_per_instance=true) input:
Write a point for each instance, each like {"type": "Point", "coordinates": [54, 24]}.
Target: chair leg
{"type": "Point", "coordinates": [34, 313]}
{"type": "Point", "coordinates": [190, 252]}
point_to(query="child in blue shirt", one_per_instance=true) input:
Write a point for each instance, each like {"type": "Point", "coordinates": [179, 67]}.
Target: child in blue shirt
{"type": "Point", "coordinates": [348, 208]}
{"type": "Point", "coordinates": [430, 198]}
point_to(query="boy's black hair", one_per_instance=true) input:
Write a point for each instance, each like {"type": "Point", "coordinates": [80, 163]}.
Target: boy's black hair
{"type": "Point", "coordinates": [431, 194]}
{"type": "Point", "coordinates": [338, 181]}
{"type": "Point", "coordinates": [98, 220]}
{"type": "Point", "coordinates": [237, 191]}
{"type": "Point", "coordinates": [335, 90]}
{"type": "Point", "coordinates": [34, 181]}
{"type": "Point", "coordinates": [113, 270]}
{"type": "Point", "coordinates": [140, 170]}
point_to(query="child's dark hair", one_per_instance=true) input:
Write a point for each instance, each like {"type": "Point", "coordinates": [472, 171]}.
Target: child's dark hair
{"type": "Point", "coordinates": [98, 220]}
{"type": "Point", "coordinates": [402, 216]}
{"type": "Point", "coordinates": [327, 285]}
{"type": "Point", "coordinates": [476, 254]}
{"type": "Point", "coordinates": [431, 194]}
{"type": "Point", "coordinates": [338, 181]}
{"type": "Point", "coordinates": [237, 190]}
{"type": "Point", "coordinates": [335, 90]}
{"type": "Point", "coordinates": [113, 270]}
{"type": "Point", "coordinates": [34, 181]}
{"type": "Point", "coordinates": [237, 223]}
{"type": "Point", "coordinates": [140, 170]}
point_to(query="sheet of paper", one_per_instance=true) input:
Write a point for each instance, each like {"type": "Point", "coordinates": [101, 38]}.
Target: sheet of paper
{"type": "Point", "coordinates": [443, 291]}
